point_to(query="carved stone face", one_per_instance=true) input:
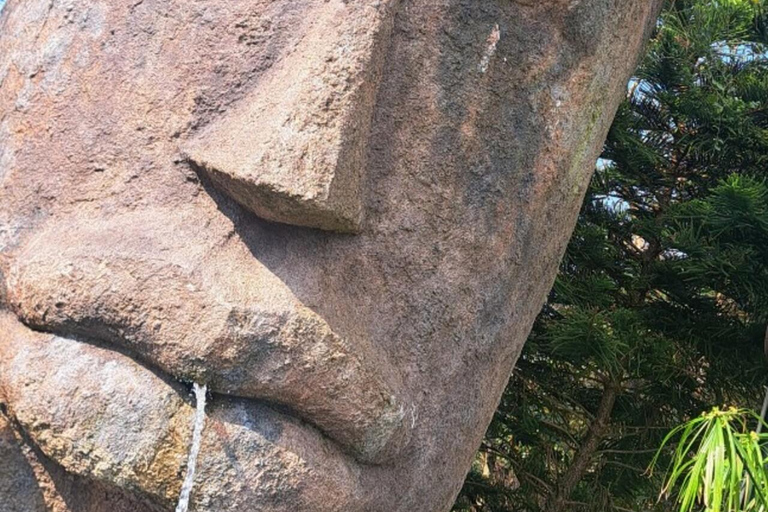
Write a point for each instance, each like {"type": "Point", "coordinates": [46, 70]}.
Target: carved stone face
{"type": "Point", "coordinates": [340, 216]}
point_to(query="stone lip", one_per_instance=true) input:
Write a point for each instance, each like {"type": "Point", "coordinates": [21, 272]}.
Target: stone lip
{"type": "Point", "coordinates": [176, 308]}
{"type": "Point", "coordinates": [104, 417]}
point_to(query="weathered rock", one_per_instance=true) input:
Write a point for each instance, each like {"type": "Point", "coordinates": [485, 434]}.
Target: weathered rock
{"type": "Point", "coordinates": [294, 149]}
{"type": "Point", "coordinates": [255, 339]}
{"type": "Point", "coordinates": [19, 490]}
{"type": "Point", "coordinates": [102, 416]}
{"type": "Point", "coordinates": [29, 482]}
{"type": "Point", "coordinates": [349, 372]}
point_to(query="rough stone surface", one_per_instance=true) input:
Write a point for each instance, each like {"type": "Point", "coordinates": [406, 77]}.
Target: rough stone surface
{"type": "Point", "coordinates": [255, 338]}
{"type": "Point", "coordinates": [348, 372]}
{"type": "Point", "coordinates": [32, 483]}
{"type": "Point", "coordinates": [19, 489]}
{"type": "Point", "coordinates": [294, 149]}
{"type": "Point", "coordinates": [132, 429]}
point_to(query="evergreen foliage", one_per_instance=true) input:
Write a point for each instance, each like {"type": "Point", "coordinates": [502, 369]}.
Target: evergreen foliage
{"type": "Point", "coordinates": [719, 463]}
{"type": "Point", "coordinates": [660, 307]}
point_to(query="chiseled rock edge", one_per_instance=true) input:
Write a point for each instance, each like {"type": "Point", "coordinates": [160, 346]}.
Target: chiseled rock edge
{"type": "Point", "coordinates": [294, 150]}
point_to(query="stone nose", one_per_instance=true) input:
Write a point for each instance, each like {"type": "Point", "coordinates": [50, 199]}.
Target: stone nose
{"type": "Point", "coordinates": [293, 150]}
{"type": "Point", "coordinates": [209, 313]}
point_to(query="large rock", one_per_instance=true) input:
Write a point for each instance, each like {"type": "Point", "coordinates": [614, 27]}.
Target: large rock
{"type": "Point", "coordinates": [164, 167]}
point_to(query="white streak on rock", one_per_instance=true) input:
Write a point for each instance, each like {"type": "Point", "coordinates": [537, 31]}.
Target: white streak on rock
{"type": "Point", "coordinates": [492, 41]}
{"type": "Point", "coordinates": [197, 438]}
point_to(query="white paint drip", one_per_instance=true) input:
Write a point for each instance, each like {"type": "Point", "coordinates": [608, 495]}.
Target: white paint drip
{"type": "Point", "coordinates": [493, 40]}
{"type": "Point", "coordinates": [197, 438]}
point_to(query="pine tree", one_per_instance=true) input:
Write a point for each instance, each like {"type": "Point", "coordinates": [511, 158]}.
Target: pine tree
{"type": "Point", "coordinates": [660, 306]}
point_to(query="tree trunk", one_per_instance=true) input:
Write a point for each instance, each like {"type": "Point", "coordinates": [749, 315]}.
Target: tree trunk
{"type": "Point", "coordinates": [568, 481]}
